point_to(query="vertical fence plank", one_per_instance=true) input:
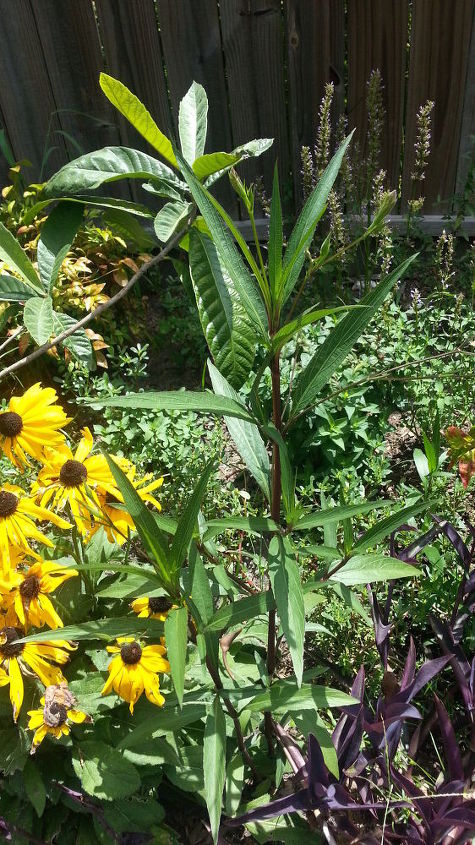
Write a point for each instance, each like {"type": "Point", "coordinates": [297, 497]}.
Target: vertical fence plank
{"type": "Point", "coordinates": [72, 51]}
{"type": "Point", "coordinates": [467, 133]}
{"type": "Point", "coordinates": [377, 38]}
{"type": "Point", "coordinates": [133, 54]}
{"type": "Point", "coordinates": [191, 41]}
{"type": "Point", "coordinates": [26, 98]}
{"type": "Point", "coordinates": [440, 42]}
{"type": "Point", "coordinates": [254, 53]}
{"type": "Point", "coordinates": [316, 55]}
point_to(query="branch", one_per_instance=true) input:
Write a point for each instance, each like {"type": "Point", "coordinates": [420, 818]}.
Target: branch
{"type": "Point", "coordinates": [23, 362]}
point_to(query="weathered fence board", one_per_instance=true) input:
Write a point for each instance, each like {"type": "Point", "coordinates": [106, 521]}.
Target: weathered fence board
{"type": "Point", "coordinates": [194, 25]}
{"type": "Point", "coordinates": [440, 40]}
{"type": "Point", "coordinates": [377, 38]}
{"type": "Point", "coordinates": [467, 133]}
{"type": "Point", "coordinates": [316, 55]}
{"type": "Point", "coordinates": [26, 98]}
{"type": "Point", "coordinates": [253, 51]}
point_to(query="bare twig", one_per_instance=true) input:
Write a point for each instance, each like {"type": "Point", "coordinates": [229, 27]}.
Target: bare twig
{"type": "Point", "coordinates": [23, 362]}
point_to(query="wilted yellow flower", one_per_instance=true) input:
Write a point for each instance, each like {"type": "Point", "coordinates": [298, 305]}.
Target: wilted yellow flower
{"type": "Point", "coordinates": [53, 717]}
{"type": "Point", "coordinates": [18, 514]}
{"type": "Point", "coordinates": [40, 658]}
{"type": "Point", "coordinates": [32, 422]}
{"type": "Point", "coordinates": [134, 671]}
{"type": "Point", "coordinates": [26, 592]}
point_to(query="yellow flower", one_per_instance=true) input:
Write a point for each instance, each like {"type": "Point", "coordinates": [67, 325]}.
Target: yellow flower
{"type": "Point", "coordinates": [27, 592]}
{"type": "Point", "coordinates": [52, 718]}
{"type": "Point", "coordinates": [75, 480]}
{"type": "Point", "coordinates": [118, 523]}
{"type": "Point", "coordinates": [152, 608]}
{"type": "Point", "coordinates": [37, 657]}
{"type": "Point", "coordinates": [134, 670]}
{"type": "Point", "coordinates": [32, 422]}
{"type": "Point", "coordinates": [18, 514]}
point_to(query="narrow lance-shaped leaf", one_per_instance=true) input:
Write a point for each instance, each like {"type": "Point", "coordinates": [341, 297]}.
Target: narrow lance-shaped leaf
{"type": "Point", "coordinates": [339, 343]}
{"type": "Point", "coordinates": [288, 330]}
{"type": "Point", "coordinates": [214, 764]}
{"type": "Point", "coordinates": [275, 242]}
{"type": "Point", "coordinates": [245, 435]}
{"type": "Point", "coordinates": [178, 400]}
{"type": "Point", "coordinates": [363, 569]}
{"type": "Point", "coordinates": [230, 257]}
{"type": "Point", "coordinates": [327, 516]}
{"type": "Point", "coordinates": [100, 629]}
{"type": "Point", "coordinates": [242, 610]}
{"type": "Point", "coordinates": [287, 588]}
{"type": "Point", "coordinates": [55, 240]}
{"type": "Point", "coordinates": [197, 585]}
{"type": "Point", "coordinates": [176, 635]}
{"type": "Point", "coordinates": [187, 521]}
{"type": "Point", "coordinates": [17, 260]}
{"type": "Point", "coordinates": [193, 122]}
{"type": "Point", "coordinates": [304, 228]}
{"type": "Point", "coordinates": [145, 524]}
{"type": "Point", "coordinates": [386, 526]}
{"type": "Point", "coordinates": [228, 331]}
{"type": "Point", "coordinates": [102, 202]}
{"type": "Point", "coordinates": [135, 112]}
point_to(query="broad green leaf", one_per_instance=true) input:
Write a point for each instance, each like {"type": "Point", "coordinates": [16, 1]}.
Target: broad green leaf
{"type": "Point", "coordinates": [286, 695]}
{"type": "Point", "coordinates": [129, 228]}
{"type": "Point", "coordinates": [109, 164]}
{"type": "Point", "coordinates": [287, 331]}
{"type": "Point", "coordinates": [193, 122]}
{"type": "Point", "coordinates": [275, 242]}
{"type": "Point", "coordinates": [422, 463]}
{"type": "Point", "coordinates": [206, 165]}
{"type": "Point", "coordinates": [17, 260]}
{"type": "Point", "coordinates": [34, 787]}
{"type": "Point", "coordinates": [38, 318]}
{"type": "Point", "coordinates": [145, 524]}
{"type": "Point", "coordinates": [384, 528]}
{"type": "Point", "coordinates": [327, 516]}
{"type": "Point", "coordinates": [198, 587]}
{"type": "Point", "coordinates": [252, 149]}
{"type": "Point", "coordinates": [178, 400]}
{"type": "Point", "coordinates": [339, 343]}
{"type": "Point", "coordinates": [102, 202]}
{"type": "Point", "coordinates": [234, 784]}
{"type": "Point", "coordinates": [188, 520]}
{"type": "Point", "coordinates": [242, 610]}
{"type": "Point", "coordinates": [169, 718]}
{"type": "Point", "coordinates": [135, 112]}
{"type": "Point", "coordinates": [160, 188]}
{"type": "Point", "coordinates": [55, 240]}
{"type": "Point", "coordinates": [245, 435]}
{"type": "Point", "coordinates": [304, 229]}
{"type": "Point", "coordinates": [77, 343]}
{"type": "Point", "coordinates": [214, 764]}
{"type": "Point", "coordinates": [363, 569]}
{"type": "Point", "coordinates": [103, 771]}
{"type": "Point", "coordinates": [176, 636]}
{"type": "Point", "coordinates": [228, 331]}
{"type": "Point", "coordinates": [249, 524]}
{"type": "Point", "coordinates": [287, 588]}
{"type": "Point", "coordinates": [134, 815]}
{"type": "Point", "coordinates": [169, 218]}
{"type": "Point", "coordinates": [13, 289]}
{"type": "Point", "coordinates": [230, 258]}
{"type": "Point", "coordinates": [100, 629]}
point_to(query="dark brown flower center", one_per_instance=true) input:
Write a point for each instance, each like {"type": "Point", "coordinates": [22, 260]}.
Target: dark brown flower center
{"type": "Point", "coordinates": [54, 714]}
{"type": "Point", "coordinates": [8, 635]}
{"type": "Point", "coordinates": [131, 653]}
{"type": "Point", "coordinates": [73, 474]}
{"type": "Point", "coordinates": [30, 587]}
{"type": "Point", "coordinates": [8, 503]}
{"type": "Point", "coordinates": [159, 605]}
{"type": "Point", "coordinates": [10, 424]}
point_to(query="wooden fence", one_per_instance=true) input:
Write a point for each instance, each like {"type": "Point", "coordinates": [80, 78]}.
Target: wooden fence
{"type": "Point", "coordinates": [264, 64]}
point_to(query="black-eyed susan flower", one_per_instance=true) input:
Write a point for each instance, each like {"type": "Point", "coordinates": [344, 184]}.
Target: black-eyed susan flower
{"type": "Point", "coordinates": [134, 670]}
{"type": "Point", "coordinates": [75, 480]}
{"type": "Point", "coordinates": [31, 422]}
{"type": "Point", "coordinates": [152, 608]}
{"type": "Point", "coordinates": [39, 658]}
{"type": "Point", "coordinates": [26, 593]}
{"type": "Point", "coordinates": [18, 514]}
{"type": "Point", "coordinates": [54, 717]}
{"type": "Point", "coordinates": [117, 522]}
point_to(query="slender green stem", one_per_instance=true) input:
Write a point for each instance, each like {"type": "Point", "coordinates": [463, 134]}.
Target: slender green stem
{"type": "Point", "coordinates": [258, 247]}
